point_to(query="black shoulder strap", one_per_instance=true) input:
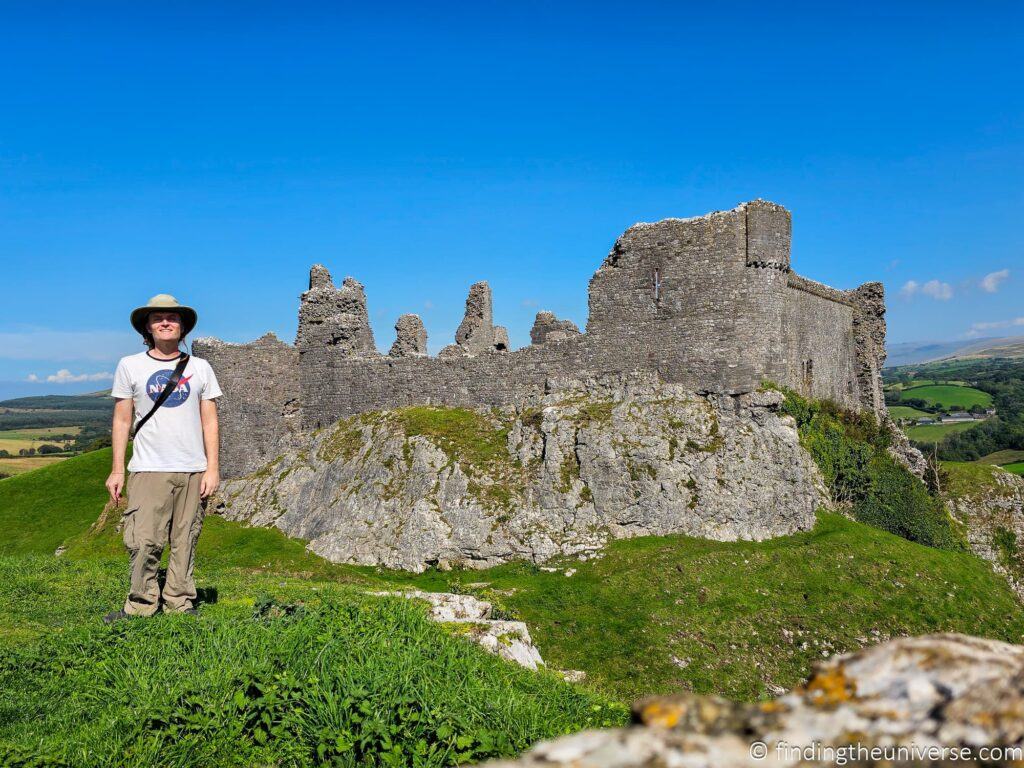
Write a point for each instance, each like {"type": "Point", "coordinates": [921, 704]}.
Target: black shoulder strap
{"type": "Point", "coordinates": [171, 384]}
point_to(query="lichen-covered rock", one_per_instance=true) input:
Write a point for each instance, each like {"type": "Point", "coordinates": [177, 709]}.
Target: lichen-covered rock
{"type": "Point", "coordinates": [410, 337]}
{"type": "Point", "coordinates": [562, 474]}
{"type": "Point", "coordinates": [932, 692]}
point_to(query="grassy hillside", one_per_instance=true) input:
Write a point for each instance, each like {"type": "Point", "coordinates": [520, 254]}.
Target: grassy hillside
{"type": "Point", "coordinates": [933, 433]}
{"type": "Point", "coordinates": [652, 615]}
{"type": "Point", "coordinates": [906, 412]}
{"type": "Point", "coordinates": [948, 395]}
{"type": "Point", "coordinates": [39, 509]}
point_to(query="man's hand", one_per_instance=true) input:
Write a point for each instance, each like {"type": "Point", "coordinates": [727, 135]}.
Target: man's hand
{"type": "Point", "coordinates": [115, 484]}
{"type": "Point", "coordinates": [209, 482]}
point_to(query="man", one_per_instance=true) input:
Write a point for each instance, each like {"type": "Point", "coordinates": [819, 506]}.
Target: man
{"type": "Point", "coordinates": [175, 460]}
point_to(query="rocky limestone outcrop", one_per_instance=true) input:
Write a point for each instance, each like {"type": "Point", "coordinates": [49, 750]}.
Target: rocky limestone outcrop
{"type": "Point", "coordinates": [473, 618]}
{"type": "Point", "coordinates": [587, 462]}
{"type": "Point", "coordinates": [917, 693]}
{"type": "Point", "coordinates": [902, 450]}
{"type": "Point", "coordinates": [991, 510]}
{"type": "Point", "coordinates": [410, 337]}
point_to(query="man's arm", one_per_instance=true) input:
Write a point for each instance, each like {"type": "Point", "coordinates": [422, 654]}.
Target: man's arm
{"type": "Point", "coordinates": [119, 439]}
{"type": "Point", "coordinates": [211, 442]}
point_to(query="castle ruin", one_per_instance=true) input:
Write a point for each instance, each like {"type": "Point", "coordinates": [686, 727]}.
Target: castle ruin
{"type": "Point", "coordinates": [709, 302]}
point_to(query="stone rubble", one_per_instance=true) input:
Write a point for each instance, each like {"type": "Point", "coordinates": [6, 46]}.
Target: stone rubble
{"type": "Point", "coordinates": [509, 640]}
{"type": "Point", "coordinates": [929, 692]}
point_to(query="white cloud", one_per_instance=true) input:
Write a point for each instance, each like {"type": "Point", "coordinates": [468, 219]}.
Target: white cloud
{"type": "Point", "coordinates": [428, 304]}
{"type": "Point", "coordinates": [909, 288]}
{"type": "Point", "coordinates": [937, 290]}
{"type": "Point", "coordinates": [528, 303]}
{"type": "Point", "coordinates": [991, 281]}
{"type": "Point", "coordinates": [64, 376]}
{"type": "Point", "coordinates": [977, 328]}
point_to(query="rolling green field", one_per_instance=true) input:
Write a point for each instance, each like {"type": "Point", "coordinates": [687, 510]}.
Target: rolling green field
{"type": "Point", "coordinates": [949, 395]}
{"type": "Point", "coordinates": [906, 412]}
{"type": "Point", "coordinates": [1017, 467]}
{"type": "Point", "coordinates": [1008, 456]}
{"type": "Point", "coordinates": [932, 433]}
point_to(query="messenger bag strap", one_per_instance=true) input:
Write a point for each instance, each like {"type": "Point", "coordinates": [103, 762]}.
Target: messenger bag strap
{"type": "Point", "coordinates": [172, 383]}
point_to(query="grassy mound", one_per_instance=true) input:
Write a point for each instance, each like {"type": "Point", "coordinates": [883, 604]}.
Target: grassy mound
{"type": "Point", "coordinates": [317, 674]}
{"type": "Point", "coordinates": [39, 509]}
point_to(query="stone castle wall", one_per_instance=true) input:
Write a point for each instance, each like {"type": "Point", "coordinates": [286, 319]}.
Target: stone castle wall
{"type": "Point", "coordinates": [708, 302]}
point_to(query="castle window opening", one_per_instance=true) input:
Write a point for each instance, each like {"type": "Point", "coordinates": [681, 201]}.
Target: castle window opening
{"type": "Point", "coordinates": [657, 285]}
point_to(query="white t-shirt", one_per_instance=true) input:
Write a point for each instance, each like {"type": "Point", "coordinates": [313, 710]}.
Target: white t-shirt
{"type": "Point", "coordinates": [172, 440]}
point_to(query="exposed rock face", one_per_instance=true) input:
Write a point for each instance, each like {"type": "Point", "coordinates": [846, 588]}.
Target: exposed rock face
{"type": "Point", "coordinates": [936, 691]}
{"type": "Point", "coordinates": [508, 639]}
{"type": "Point", "coordinates": [334, 319]}
{"type": "Point", "coordinates": [410, 337]}
{"type": "Point", "coordinates": [903, 451]}
{"type": "Point", "coordinates": [588, 462]}
{"type": "Point", "coordinates": [993, 517]}
{"type": "Point", "coordinates": [475, 333]}
{"type": "Point", "coordinates": [547, 327]}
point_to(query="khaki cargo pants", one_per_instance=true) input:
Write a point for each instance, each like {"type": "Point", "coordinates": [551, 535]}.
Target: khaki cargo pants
{"type": "Point", "coordinates": [162, 507]}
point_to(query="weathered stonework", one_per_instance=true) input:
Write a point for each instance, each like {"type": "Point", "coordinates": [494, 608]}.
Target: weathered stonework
{"type": "Point", "coordinates": [475, 333]}
{"type": "Point", "coordinates": [410, 337]}
{"type": "Point", "coordinates": [709, 303]}
{"type": "Point", "coordinates": [547, 327]}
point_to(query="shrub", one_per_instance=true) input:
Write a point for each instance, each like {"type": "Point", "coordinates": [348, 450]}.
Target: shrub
{"type": "Point", "coordinates": [850, 450]}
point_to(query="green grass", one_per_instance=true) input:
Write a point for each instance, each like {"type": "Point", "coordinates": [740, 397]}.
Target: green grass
{"type": "Point", "coordinates": [39, 509]}
{"type": "Point", "coordinates": [274, 672]}
{"type": "Point", "coordinates": [661, 614]}
{"type": "Point", "coordinates": [1007, 456]}
{"type": "Point", "coordinates": [933, 433]}
{"type": "Point", "coordinates": [949, 395]}
{"type": "Point", "coordinates": [291, 663]}
{"type": "Point", "coordinates": [1017, 467]}
{"type": "Point", "coordinates": [906, 412]}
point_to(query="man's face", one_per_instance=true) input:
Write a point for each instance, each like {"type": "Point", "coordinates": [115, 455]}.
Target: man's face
{"type": "Point", "coordinates": [165, 326]}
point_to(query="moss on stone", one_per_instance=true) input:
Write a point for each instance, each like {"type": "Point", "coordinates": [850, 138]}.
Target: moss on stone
{"type": "Point", "coordinates": [344, 442]}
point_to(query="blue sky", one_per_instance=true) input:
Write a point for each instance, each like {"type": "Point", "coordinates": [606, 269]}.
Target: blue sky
{"type": "Point", "coordinates": [215, 151]}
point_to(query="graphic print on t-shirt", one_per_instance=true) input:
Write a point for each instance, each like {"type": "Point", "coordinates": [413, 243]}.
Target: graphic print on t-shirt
{"type": "Point", "coordinates": [159, 380]}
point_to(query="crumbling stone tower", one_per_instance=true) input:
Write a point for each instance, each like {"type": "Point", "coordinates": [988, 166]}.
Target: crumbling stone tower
{"type": "Point", "coordinates": [710, 302]}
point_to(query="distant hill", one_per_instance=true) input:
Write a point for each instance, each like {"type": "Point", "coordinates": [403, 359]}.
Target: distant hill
{"type": "Point", "coordinates": [90, 410]}
{"type": "Point", "coordinates": [911, 353]}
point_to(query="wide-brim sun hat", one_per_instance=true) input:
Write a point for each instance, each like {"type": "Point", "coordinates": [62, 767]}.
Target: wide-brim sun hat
{"type": "Point", "coordinates": [164, 302]}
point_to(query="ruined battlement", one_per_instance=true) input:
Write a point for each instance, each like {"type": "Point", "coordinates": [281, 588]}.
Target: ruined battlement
{"type": "Point", "coordinates": [708, 302]}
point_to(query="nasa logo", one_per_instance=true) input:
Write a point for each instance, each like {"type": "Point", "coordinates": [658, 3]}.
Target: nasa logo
{"type": "Point", "coordinates": [159, 380]}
